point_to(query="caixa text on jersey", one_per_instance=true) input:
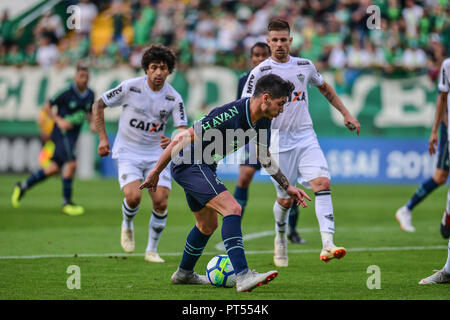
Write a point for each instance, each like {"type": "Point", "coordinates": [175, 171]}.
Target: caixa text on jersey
{"type": "Point", "coordinates": [146, 126]}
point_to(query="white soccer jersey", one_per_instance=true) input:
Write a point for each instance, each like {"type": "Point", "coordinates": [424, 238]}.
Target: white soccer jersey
{"type": "Point", "coordinates": [444, 85]}
{"type": "Point", "coordinates": [295, 121]}
{"type": "Point", "coordinates": [144, 117]}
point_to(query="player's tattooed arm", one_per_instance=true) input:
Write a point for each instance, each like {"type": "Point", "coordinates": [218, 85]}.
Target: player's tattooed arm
{"type": "Point", "coordinates": [98, 111]}
{"type": "Point", "coordinates": [330, 94]}
{"type": "Point", "coordinates": [271, 166]}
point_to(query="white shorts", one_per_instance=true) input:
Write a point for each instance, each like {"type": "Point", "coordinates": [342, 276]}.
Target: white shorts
{"type": "Point", "coordinates": [132, 170]}
{"type": "Point", "coordinates": [302, 164]}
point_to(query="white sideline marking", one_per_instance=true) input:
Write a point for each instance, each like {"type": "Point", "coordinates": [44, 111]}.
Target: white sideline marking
{"type": "Point", "coordinates": [114, 255]}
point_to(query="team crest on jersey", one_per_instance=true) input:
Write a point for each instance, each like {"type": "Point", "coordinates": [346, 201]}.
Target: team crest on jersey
{"type": "Point", "coordinates": [72, 104]}
{"type": "Point", "coordinates": [163, 114]}
{"type": "Point", "coordinates": [301, 78]}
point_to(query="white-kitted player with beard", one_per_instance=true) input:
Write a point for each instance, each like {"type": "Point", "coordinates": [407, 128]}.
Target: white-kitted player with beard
{"type": "Point", "coordinates": [148, 102]}
{"type": "Point", "coordinates": [299, 154]}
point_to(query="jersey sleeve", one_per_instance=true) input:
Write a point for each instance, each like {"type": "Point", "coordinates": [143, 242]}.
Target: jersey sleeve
{"type": "Point", "coordinates": [250, 84]}
{"type": "Point", "coordinates": [444, 75]}
{"type": "Point", "coordinates": [179, 114]}
{"type": "Point", "coordinates": [116, 96]}
{"type": "Point", "coordinates": [263, 133]}
{"type": "Point", "coordinates": [316, 78]}
{"type": "Point", "coordinates": [58, 99]}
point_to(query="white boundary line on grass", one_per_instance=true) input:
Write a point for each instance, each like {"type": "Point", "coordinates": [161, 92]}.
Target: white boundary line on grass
{"type": "Point", "coordinates": [114, 255]}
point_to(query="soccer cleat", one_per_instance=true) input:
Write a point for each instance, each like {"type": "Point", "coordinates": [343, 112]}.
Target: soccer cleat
{"type": "Point", "coordinates": [294, 237]}
{"type": "Point", "coordinates": [440, 276]}
{"type": "Point", "coordinates": [153, 256]}
{"type": "Point", "coordinates": [280, 255]}
{"type": "Point", "coordinates": [17, 194]}
{"type": "Point", "coordinates": [72, 209]}
{"type": "Point", "coordinates": [403, 216]}
{"type": "Point", "coordinates": [445, 225]}
{"type": "Point", "coordinates": [251, 279]}
{"type": "Point", "coordinates": [188, 277]}
{"type": "Point", "coordinates": [329, 253]}
{"type": "Point", "coordinates": [127, 240]}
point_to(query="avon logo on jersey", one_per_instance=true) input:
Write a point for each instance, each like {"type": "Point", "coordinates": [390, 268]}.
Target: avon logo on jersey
{"type": "Point", "coordinates": [299, 96]}
{"type": "Point", "coordinates": [146, 126]}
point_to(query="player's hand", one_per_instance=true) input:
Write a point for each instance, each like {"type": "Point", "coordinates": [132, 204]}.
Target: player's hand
{"type": "Point", "coordinates": [103, 149]}
{"type": "Point", "coordinates": [352, 124]}
{"type": "Point", "coordinates": [165, 141]}
{"type": "Point", "coordinates": [299, 195]}
{"type": "Point", "coordinates": [63, 124]}
{"type": "Point", "coordinates": [432, 143]}
{"type": "Point", "coordinates": [151, 181]}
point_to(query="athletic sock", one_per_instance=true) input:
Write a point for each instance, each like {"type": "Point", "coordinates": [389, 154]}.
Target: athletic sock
{"type": "Point", "coordinates": [128, 215]}
{"type": "Point", "coordinates": [447, 264]}
{"type": "Point", "coordinates": [67, 190]}
{"type": "Point", "coordinates": [241, 196]}
{"type": "Point", "coordinates": [324, 214]}
{"type": "Point", "coordinates": [156, 225]}
{"type": "Point", "coordinates": [421, 193]}
{"type": "Point", "coordinates": [34, 178]}
{"type": "Point", "coordinates": [232, 240]}
{"type": "Point", "coordinates": [195, 243]}
{"type": "Point", "coordinates": [293, 218]}
{"type": "Point", "coordinates": [281, 215]}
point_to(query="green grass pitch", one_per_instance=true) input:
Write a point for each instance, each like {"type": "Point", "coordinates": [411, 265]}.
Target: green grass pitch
{"type": "Point", "coordinates": [38, 243]}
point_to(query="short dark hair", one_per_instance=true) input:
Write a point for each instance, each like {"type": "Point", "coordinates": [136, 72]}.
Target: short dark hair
{"type": "Point", "coordinates": [260, 45]}
{"type": "Point", "coordinates": [274, 85]}
{"type": "Point", "coordinates": [278, 25]}
{"type": "Point", "coordinates": [158, 53]}
{"type": "Point", "coordinates": [82, 67]}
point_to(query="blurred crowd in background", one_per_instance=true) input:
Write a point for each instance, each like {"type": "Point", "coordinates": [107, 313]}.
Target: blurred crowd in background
{"type": "Point", "coordinates": [413, 35]}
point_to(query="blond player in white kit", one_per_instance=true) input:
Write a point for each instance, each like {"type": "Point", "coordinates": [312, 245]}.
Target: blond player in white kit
{"type": "Point", "coordinates": [148, 102]}
{"type": "Point", "coordinates": [294, 141]}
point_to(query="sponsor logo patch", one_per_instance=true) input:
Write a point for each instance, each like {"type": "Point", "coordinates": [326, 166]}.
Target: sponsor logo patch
{"type": "Point", "coordinates": [114, 92]}
{"type": "Point", "coordinates": [134, 89]}
{"type": "Point", "coordinates": [265, 68]}
{"type": "Point", "coordinates": [170, 98]}
{"type": "Point", "coordinates": [302, 63]}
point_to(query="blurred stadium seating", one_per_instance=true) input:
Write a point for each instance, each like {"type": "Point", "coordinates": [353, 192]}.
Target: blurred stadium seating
{"type": "Point", "coordinates": [386, 77]}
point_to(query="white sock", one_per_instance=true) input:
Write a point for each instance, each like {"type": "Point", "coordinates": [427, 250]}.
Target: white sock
{"type": "Point", "coordinates": [324, 211]}
{"type": "Point", "coordinates": [128, 215]}
{"type": "Point", "coordinates": [447, 264]}
{"type": "Point", "coordinates": [156, 225]}
{"type": "Point", "coordinates": [447, 207]}
{"type": "Point", "coordinates": [281, 215]}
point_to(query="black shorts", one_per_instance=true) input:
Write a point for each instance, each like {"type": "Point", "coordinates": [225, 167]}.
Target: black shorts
{"type": "Point", "coordinates": [64, 149]}
{"type": "Point", "coordinates": [200, 183]}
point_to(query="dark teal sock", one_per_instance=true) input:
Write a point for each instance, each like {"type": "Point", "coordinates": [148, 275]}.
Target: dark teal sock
{"type": "Point", "coordinates": [195, 243]}
{"type": "Point", "coordinates": [232, 239]}
{"type": "Point", "coordinates": [241, 196]}
{"type": "Point", "coordinates": [34, 178]}
{"type": "Point", "coordinates": [422, 192]}
{"type": "Point", "coordinates": [67, 190]}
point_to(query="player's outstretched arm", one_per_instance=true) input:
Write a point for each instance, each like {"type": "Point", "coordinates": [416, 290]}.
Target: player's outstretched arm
{"type": "Point", "coordinates": [330, 94]}
{"type": "Point", "coordinates": [441, 104]}
{"type": "Point", "coordinates": [273, 169]}
{"type": "Point", "coordinates": [98, 111]}
{"type": "Point", "coordinates": [177, 144]}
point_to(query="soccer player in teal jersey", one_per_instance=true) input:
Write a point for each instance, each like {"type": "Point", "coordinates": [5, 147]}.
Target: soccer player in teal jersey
{"type": "Point", "coordinates": [223, 131]}
{"type": "Point", "coordinates": [74, 104]}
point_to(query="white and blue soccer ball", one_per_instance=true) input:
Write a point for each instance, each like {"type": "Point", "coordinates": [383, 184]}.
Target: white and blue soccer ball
{"type": "Point", "coordinates": [220, 272]}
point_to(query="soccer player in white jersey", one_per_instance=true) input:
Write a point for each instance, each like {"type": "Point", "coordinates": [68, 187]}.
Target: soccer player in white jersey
{"type": "Point", "coordinates": [299, 153]}
{"type": "Point", "coordinates": [148, 102]}
{"type": "Point", "coordinates": [443, 275]}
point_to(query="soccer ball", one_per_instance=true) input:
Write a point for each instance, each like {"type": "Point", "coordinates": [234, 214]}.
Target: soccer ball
{"type": "Point", "coordinates": [220, 272]}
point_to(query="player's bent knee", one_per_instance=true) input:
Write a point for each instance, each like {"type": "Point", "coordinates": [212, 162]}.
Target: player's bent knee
{"type": "Point", "coordinates": [133, 200]}
{"type": "Point", "coordinates": [160, 206]}
{"type": "Point", "coordinates": [286, 203]}
{"type": "Point", "coordinates": [441, 177]}
{"type": "Point", "coordinates": [321, 184]}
